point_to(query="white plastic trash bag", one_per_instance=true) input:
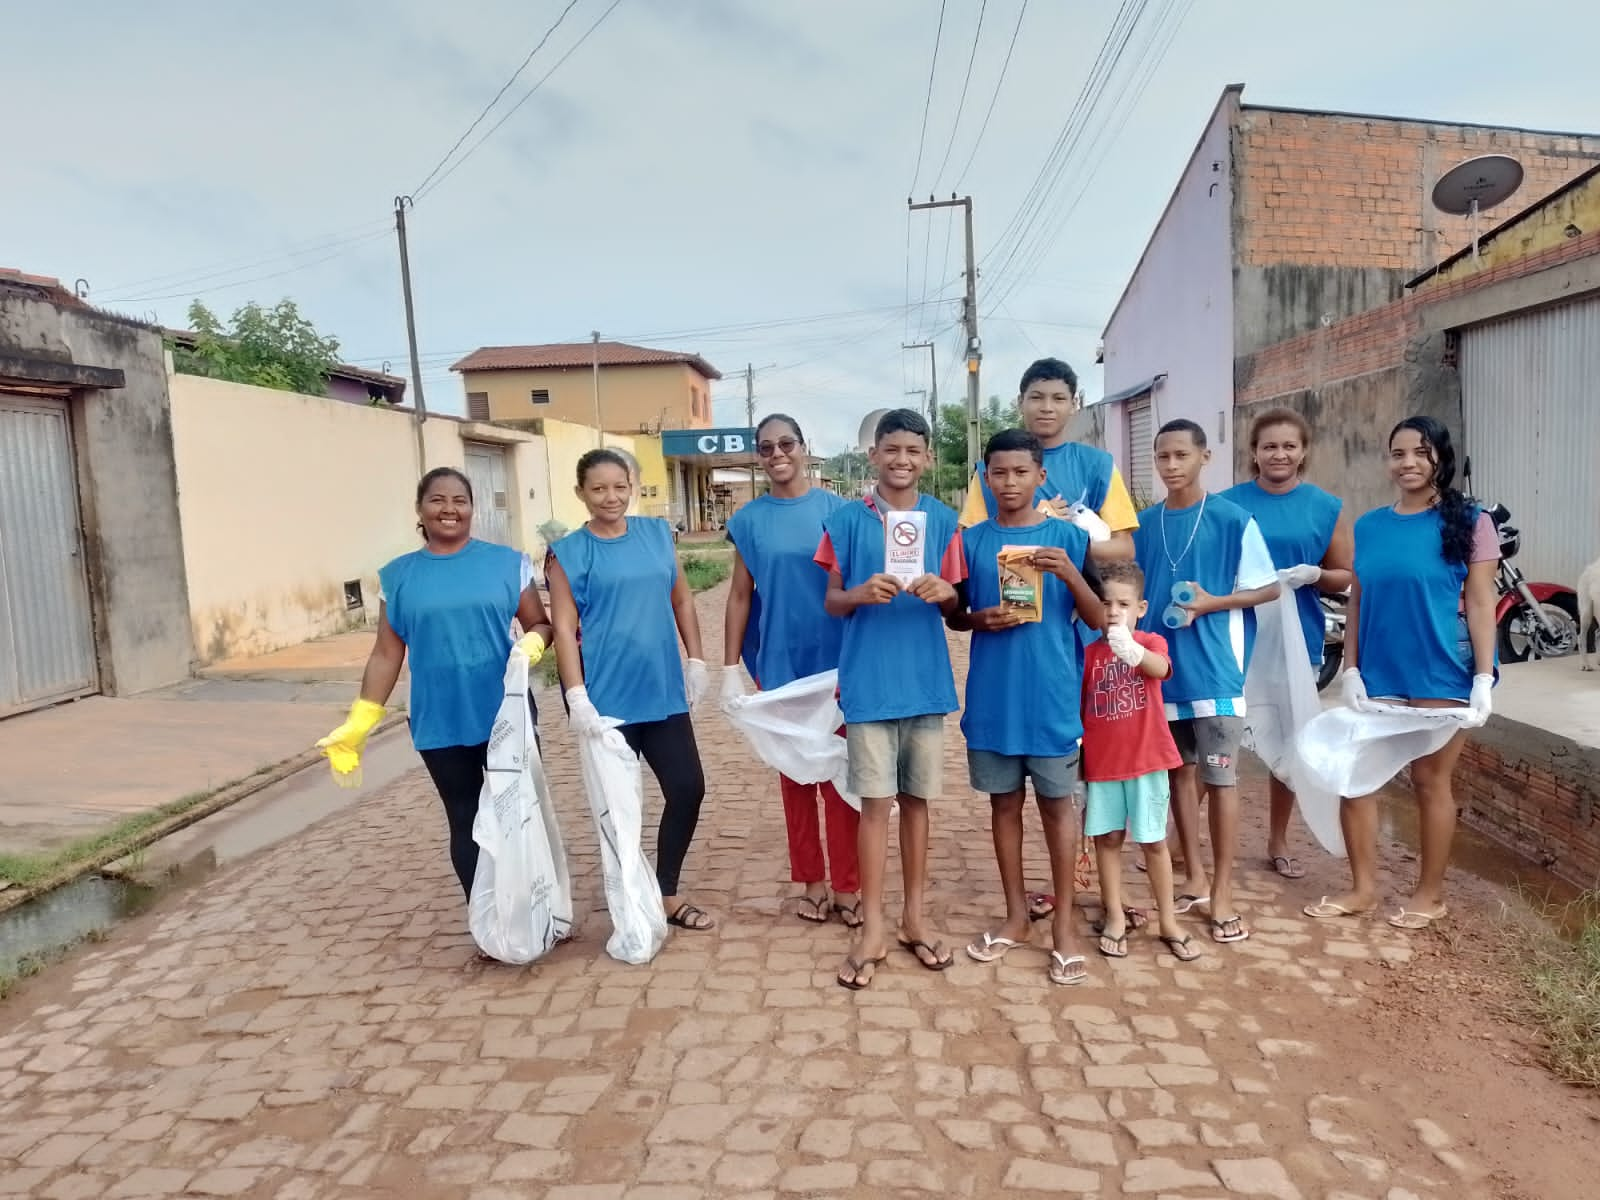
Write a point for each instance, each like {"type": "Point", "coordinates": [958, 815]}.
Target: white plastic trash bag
{"type": "Point", "coordinates": [1280, 696]}
{"type": "Point", "coordinates": [794, 729]}
{"type": "Point", "coordinates": [1354, 753]}
{"type": "Point", "coordinates": [612, 779]}
{"type": "Point", "coordinates": [521, 902]}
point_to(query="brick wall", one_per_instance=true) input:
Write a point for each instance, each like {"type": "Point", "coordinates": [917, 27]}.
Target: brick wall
{"type": "Point", "coordinates": [1325, 190]}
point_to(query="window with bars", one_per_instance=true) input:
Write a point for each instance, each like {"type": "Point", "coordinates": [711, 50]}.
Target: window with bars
{"type": "Point", "coordinates": [539, 396]}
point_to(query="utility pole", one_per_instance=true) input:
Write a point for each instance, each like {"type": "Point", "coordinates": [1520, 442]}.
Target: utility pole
{"type": "Point", "coordinates": [419, 406]}
{"type": "Point", "coordinates": [599, 431]}
{"type": "Point", "coordinates": [933, 403]}
{"type": "Point", "coordinates": [750, 419]}
{"type": "Point", "coordinates": [969, 317]}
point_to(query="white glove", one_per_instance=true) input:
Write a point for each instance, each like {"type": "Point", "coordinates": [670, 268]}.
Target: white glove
{"type": "Point", "coordinates": [1355, 691]}
{"type": "Point", "coordinates": [695, 682]}
{"type": "Point", "coordinates": [1090, 523]}
{"type": "Point", "coordinates": [1482, 702]}
{"type": "Point", "coordinates": [732, 686]}
{"type": "Point", "coordinates": [1304, 575]}
{"type": "Point", "coordinates": [582, 715]}
{"type": "Point", "coordinates": [1120, 639]}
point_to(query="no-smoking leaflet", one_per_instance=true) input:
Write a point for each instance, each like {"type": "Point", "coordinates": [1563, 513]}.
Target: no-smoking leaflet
{"type": "Point", "coordinates": [905, 540]}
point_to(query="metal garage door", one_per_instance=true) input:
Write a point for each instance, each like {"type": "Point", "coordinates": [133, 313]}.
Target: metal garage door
{"type": "Point", "coordinates": [491, 500]}
{"type": "Point", "coordinates": [1141, 450]}
{"type": "Point", "coordinates": [1532, 428]}
{"type": "Point", "coordinates": [46, 639]}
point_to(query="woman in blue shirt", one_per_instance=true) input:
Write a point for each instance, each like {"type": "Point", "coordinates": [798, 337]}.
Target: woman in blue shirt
{"type": "Point", "coordinates": [1308, 535]}
{"type": "Point", "coordinates": [450, 605]}
{"type": "Point", "coordinates": [619, 577]}
{"type": "Point", "coordinates": [1421, 631]}
{"type": "Point", "coordinates": [775, 539]}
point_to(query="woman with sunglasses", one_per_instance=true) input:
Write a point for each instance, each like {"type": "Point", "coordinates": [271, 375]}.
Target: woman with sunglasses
{"type": "Point", "coordinates": [776, 621]}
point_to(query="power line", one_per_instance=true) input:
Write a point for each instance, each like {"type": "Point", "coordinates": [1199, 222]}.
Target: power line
{"type": "Point", "coordinates": [998, 83]}
{"type": "Point", "coordinates": [232, 266]}
{"type": "Point", "coordinates": [927, 102]}
{"type": "Point", "coordinates": [476, 121]}
{"type": "Point", "coordinates": [478, 145]}
{"type": "Point", "coordinates": [961, 104]}
{"type": "Point", "coordinates": [238, 283]}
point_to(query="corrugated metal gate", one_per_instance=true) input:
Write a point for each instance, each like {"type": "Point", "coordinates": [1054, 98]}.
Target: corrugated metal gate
{"type": "Point", "coordinates": [46, 635]}
{"type": "Point", "coordinates": [1141, 479]}
{"type": "Point", "coordinates": [491, 503]}
{"type": "Point", "coordinates": [1533, 429]}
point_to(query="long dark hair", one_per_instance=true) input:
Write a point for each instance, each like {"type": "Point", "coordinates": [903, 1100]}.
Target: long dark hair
{"type": "Point", "coordinates": [432, 477]}
{"type": "Point", "coordinates": [1457, 514]}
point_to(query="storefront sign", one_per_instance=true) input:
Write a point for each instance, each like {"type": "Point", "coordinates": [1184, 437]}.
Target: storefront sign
{"type": "Point", "coordinates": [689, 443]}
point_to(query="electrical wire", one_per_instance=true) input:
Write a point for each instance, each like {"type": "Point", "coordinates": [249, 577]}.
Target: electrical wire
{"type": "Point", "coordinates": [927, 102]}
{"type": "Point", "coordinates": [998, 84]}
{"type": "Point", "coordinates": [223, 287]}
{"type": "Point", "coordinates": [504, 88]}
{"type": "Point", "coordinates": [961, 104]}
{"type": "Point", "coordinates": [200, 274]}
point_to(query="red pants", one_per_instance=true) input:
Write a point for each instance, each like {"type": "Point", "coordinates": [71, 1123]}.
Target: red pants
{"type": "Point", "coordinates": [805, 836]}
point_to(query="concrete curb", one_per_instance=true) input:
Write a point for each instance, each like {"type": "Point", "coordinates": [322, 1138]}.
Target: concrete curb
{"type": "Point", "coordinates": [224, 797]}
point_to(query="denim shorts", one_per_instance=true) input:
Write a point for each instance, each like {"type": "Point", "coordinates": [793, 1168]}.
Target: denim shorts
{"type": "Point", "coordinates": [998, 774]}
{"type": "Point", "coordinates": [899, 757]}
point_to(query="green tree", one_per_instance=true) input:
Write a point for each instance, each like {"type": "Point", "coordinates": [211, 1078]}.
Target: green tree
{"type": "Point", "coordinates": [270, 347]}
{"type": "Point", "coordinates": [995, 415]}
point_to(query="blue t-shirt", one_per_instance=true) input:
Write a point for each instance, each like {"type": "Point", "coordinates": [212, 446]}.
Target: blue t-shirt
{"type": "Point", "coordinates": [623, 589]}
{"type": "Point", "coordinates": [1006, 713]}
{"type": "Point", "coordinates": [777, 538]}
{"type": "Point", "coordinates": [1216, 544]}
{"type": "Point", "coordinates": [1298, 528]}
{"type": "Point", "coordinates": [893, 659]}
{"type": "Point", "coordinates": [1412, 639]}
{"type": "Point", "coordinates": [1073, 472]}
{"type": "Point", "coordinates": [454, 613]}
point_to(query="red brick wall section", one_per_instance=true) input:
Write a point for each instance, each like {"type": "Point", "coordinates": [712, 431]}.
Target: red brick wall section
{"type": "Point", "coordinates": [1376, 340]}
{"type": "Point", "coordinates": [1337, 191]}
{"type": "Point", "coordinates": [1544, 803]}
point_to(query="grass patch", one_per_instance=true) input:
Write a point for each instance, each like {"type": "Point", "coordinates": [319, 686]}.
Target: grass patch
{"type": "Point", "coordinates": [1563, 977]}
{"type": "Point", "coordinates": [12, 975]}
{"type": "Point", "coordinates": [28, 869]}
{"type": "Point", "coordinates": [706, 570]}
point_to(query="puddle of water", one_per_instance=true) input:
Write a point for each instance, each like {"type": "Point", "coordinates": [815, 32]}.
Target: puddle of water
{"type": "Point", "coordinates": [68, 914]}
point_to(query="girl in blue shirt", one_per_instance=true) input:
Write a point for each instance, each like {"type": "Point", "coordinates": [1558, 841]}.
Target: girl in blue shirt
{"type": "Point", "coordinates": [1308, 535]}
{"type": "Point", "coordinates": [790, 636]}
{"type": "Point", "coordinates": [619, 577]}
{"type": "Point", "coordinates": [450, 605]}
{"type": "Point", "coordinates": [1422, 623]}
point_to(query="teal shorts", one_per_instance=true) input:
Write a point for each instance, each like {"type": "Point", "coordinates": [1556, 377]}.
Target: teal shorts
{"type": "Point", "coordinates": [1138, 805]}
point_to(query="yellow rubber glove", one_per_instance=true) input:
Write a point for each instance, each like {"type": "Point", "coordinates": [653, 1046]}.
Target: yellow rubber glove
{"type": "Point", "coordinates": [344, 745]}
{"type": "Point", "coordinates": [533, 646]}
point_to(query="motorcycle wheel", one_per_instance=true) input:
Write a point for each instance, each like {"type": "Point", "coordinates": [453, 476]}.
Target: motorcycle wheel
{"type": "Point", "coordinates": [1332, 660]}
{"type": "Point", "coordinates": [1522, 638]}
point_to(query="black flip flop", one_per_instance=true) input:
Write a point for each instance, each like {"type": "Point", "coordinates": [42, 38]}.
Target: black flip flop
{"type": "Point", "coordinates": [938, 964]}
{"type": "Point", "coordinates": [1182, 948]}
{"type": "Point", "coordinates": [687, 916]}
{"type": "Point", "coordinates": [855, 983]}
{"type": "Point", "coordinates": [850, 914]}
{"type": "Point", "coordinates": [818, 913]}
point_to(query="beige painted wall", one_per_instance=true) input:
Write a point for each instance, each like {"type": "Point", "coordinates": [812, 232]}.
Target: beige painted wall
{"type": "Point", "coordinates": [565, 444]}
{"type": "Point", "coordinates": [630, 397]}
{"type": "Point", "coordinates": [284, 497]}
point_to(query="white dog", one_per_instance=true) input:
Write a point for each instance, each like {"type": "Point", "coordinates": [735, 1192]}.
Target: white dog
{"type": "Point", "coordinates": [1588, 605]}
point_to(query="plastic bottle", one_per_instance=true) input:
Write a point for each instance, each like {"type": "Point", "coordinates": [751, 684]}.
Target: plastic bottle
{"type": "Point", "coordinates": [1176, 617]}
{"type": "Point", "coordinates": [1183, 593]}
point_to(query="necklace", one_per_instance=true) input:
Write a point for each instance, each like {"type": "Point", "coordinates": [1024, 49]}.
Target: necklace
{"type": "Point", "coordinates": [1199, 516]}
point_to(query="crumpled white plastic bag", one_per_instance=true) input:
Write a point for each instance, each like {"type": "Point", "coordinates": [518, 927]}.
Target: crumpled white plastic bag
{"type": "Point", "coordinates": [615, 787]}
{"type": "Point", "coordinates": [794, 729]}
{"type": "Point", "coordinates": [1354, 753]}
{"type": "Point", "coordinates": [521, 901]}
{"type": "Point", "coordinates": [1280, 695]}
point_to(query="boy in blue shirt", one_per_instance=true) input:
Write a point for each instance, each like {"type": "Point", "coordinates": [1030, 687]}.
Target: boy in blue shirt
{"type": "Point", "coordinates": [895, 681]}
{"type": "Point", "coordinates": [1023, 686]}
{"type": "Point", "coordinates": [1213, 545]}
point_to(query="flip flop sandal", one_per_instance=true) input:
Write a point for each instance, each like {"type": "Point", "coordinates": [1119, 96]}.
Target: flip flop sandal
{"type": "Point", "coordinates": [1061, 969]}
{"type": "Point", "coordinates": [991, 948]}
{"type": "Point", "coordinates": [1326, 909]}
{"type": "Point", "coordinates": [850, 914]}
{"type": "Point", "coordinates": [1135, 917]}
{"type": "Point", "coordinates": [689, 917]}
{"type": "Point", "coordinates": [1186, 902]}
{"type": "Point", "coordinates": [1182, 948]}
{"type": "Point", "coordinates": [1119, 945]}
{"type": "Point", "coordinates": [1041, 906]}
{"type": "Point", "coordinates": [855, 983]}
{"type": "Point", "coordinates": [1290, 868]}
{"type": "Point", "coordinates": [1407, 919]}
{"type": "Point", "coordinates": [916, 947]}
{"type": "Point", "coordinates": [1220, 930]}
{"type": "Point", "coordinates": [816, 913]}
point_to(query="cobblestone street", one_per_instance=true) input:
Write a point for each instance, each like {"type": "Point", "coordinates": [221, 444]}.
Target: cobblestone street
{"type": "Point", "coordinates": [313, 1024]}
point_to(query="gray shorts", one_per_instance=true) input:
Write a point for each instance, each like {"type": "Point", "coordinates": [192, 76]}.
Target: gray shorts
{"type": "Point", "coordinates": [1211, 743]}
{"type": "Point", "coordinates": [998, 774]}
{"type": "Point", "coordinates": [900, 757]}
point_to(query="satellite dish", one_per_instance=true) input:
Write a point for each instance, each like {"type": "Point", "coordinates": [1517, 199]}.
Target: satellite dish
{"type": "Point", "coordinates": [869, 428]}
{"type": "Point", "coordinates": [1468, 188]}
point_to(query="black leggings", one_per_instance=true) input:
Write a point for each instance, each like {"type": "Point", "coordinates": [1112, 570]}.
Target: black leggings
{"type": "Point", "coordinates": [669, 748]}
{"type": "Point", "coordinates": [457, 773]}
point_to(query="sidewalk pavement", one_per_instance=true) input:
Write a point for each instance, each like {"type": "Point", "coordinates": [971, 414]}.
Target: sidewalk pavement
{"type": "Point", "coordinates": [313, 1024]}
{"type": "Point", "coordinates": [77, 768]}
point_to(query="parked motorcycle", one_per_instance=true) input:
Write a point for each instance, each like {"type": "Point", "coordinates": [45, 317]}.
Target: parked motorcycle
{"type": "Point", "coordinates": [1333, 615]}
{"type": "Point", "coordinates": [1532, 619]}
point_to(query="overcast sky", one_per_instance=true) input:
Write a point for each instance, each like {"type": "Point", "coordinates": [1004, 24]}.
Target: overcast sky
{"type": "Point", "coordinates": [695, 166]}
